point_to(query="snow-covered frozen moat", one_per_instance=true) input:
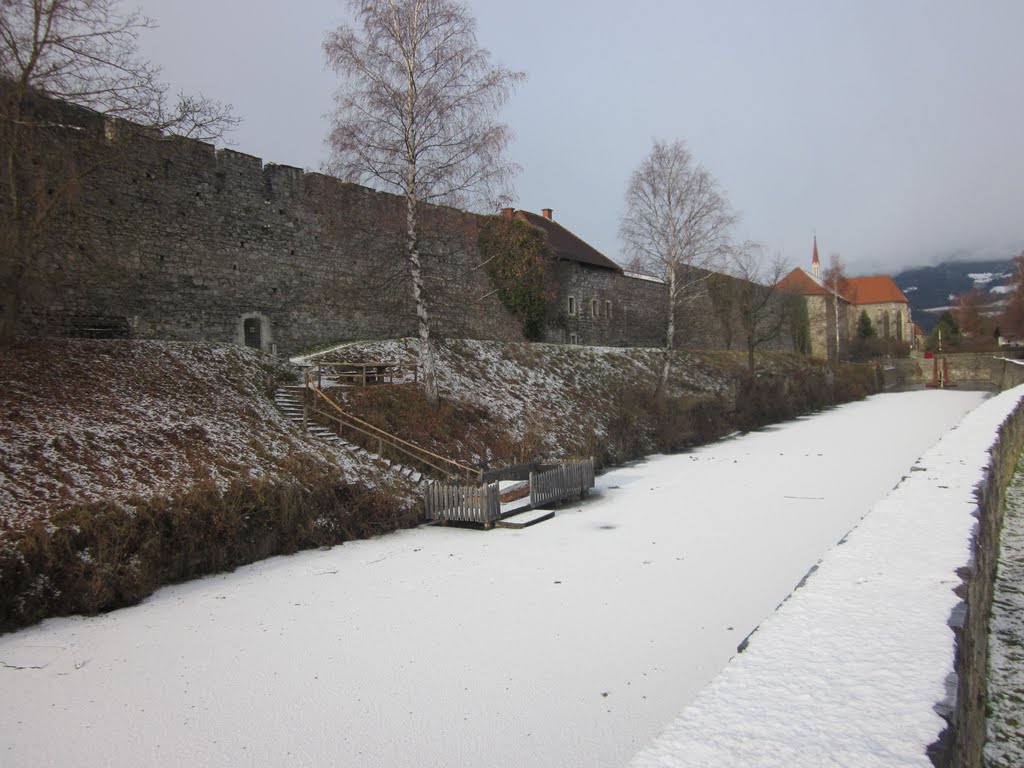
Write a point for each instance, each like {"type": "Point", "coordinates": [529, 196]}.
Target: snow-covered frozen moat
{"type": "Point", "coordinates": [570, 643]}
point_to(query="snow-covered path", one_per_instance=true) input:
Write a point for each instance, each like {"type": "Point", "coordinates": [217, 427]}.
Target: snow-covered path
{"type": "Point", "coordinates": [568, 644]}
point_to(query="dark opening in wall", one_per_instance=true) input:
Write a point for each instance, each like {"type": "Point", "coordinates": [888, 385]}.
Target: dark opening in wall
{"type": "Point", "coordinates": [99, 327]}
{"type": "Point", "coordinates": [254, 333]}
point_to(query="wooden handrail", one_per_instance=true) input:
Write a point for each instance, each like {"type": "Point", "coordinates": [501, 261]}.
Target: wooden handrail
{"type": "Point", "coordinates": [415, 451]}
{"type": "Point", "coordinates": [397, 447]}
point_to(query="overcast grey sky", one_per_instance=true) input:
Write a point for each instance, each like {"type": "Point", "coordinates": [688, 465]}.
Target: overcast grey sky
{"type": "Point", "coordinates": [892, 128]}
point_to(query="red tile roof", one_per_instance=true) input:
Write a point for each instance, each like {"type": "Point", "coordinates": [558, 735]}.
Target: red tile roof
{"type": "Point", "coordinates": [801, 284]}
{"type": "Point", "coordinates": [917, 330]}
{"type": "Point", "coordinates": [875, 289]}
{"type": "Point", "coordinates": [567, 246]}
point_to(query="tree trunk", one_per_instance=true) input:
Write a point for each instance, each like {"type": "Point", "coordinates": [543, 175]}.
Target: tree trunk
{"type": "Point", "coordinates": [751, 343]}
{"type": "Point", "coordinates": [422, 313]}
{"type": "Point", "coordinates": [670, 332]}
{"type": "Point", "coordinates": [835, 303]}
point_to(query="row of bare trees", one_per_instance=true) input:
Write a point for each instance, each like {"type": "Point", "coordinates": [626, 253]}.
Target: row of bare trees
{"type": "Point", "coordinates": [417, 115]}
{"type": "Point", "coordinates": [678, 227]}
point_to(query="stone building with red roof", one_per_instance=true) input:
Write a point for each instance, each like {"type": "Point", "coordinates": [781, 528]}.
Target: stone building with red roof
{"type": "Point", "coordinates": [833, 313]}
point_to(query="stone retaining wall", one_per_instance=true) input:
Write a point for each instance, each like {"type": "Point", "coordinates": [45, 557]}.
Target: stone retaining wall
{"type": "Point", "coordinates": [965, 369]}
{"type": "Point", "coordinates": [962, 743]}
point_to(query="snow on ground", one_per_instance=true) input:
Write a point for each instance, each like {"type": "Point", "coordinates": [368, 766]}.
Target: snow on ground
{"type": "Point", "coordinates": [847, 671]}
{"type": "Point", "coordinates": [99, 420]}
{"type": "Point", "coordinates": [570, 643]}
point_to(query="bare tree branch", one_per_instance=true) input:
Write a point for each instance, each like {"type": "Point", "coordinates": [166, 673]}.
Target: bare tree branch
{"type": "Point", "coordinates": [85, 52]}
{"type": "Point", "coordinates": [761, 307]}
{"type": "Point", "coordinates": [417, 116]}
{"type": "Point", "coordinates": [676, 226]}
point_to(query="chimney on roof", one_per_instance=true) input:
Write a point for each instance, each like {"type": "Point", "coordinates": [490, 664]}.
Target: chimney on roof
{"type": "Point", "coordinates": [507, 212]}
{"type": "Point", "coordinates": [546, 213]}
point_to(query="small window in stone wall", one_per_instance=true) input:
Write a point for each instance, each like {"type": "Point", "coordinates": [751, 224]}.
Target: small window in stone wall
{"type": "Point", "coordinates": [572, 305]}
{"type": "Point", "coordinates": [593, 307]}
{"type": "Point", "coordinates": [608, 309]}
{"type": "Point", "coordinates": [574, 339]}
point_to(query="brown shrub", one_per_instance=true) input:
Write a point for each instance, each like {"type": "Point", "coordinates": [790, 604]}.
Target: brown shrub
{"type": "Point", "coordinates": [100, 556]}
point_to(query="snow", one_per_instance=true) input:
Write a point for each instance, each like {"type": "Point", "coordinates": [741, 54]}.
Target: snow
{"type": "Point", "coordinates": [982, 278]}
{"type": "Point", "coordinates": [642, 276]}
{"type": "Point", "coordinates": [568, 643]}
{"type": "Point", "coordinates": [847, 671]}
{"type": "Point", "coordinates": [148, 418]}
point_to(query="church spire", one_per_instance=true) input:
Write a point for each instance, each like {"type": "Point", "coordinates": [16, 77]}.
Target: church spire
{"type": "Point", "coordinates": [815, 261]}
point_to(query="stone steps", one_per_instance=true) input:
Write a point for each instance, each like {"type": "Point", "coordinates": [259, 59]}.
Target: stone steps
{"type": "Point", "coordinates": [288, 400]}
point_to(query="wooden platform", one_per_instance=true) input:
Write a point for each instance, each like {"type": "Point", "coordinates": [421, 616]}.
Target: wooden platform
{"type": "Point", "coordinates": [525, 519]}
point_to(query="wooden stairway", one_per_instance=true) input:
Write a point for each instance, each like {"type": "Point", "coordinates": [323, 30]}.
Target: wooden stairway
{"type": "Point", "coordinates": [288, 400]}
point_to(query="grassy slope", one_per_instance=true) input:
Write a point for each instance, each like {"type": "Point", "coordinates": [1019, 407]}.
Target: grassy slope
{"type": "Point", "coordinates": [124, 465]}
{"type": "Point", "coordinates": [505, 403]}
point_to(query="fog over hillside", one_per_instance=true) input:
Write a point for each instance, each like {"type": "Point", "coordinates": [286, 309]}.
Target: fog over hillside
{"type": "Point", "coordinates": [931, 289]}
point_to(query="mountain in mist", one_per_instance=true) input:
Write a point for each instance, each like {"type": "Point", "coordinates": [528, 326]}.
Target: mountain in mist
{"type": "Point", "coordinates": [932, 290]}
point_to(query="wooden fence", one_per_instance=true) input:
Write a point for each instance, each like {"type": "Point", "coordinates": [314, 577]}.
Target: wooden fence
{"type": "Point", "coordinates": [561, 483]}
{"type": "Point", "coordinates": [463, 503]}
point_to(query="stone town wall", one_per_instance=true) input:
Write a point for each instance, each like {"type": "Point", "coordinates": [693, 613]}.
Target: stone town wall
{"type": "Point", "coordinates": [170, 238]}
{"type": "Point", "coordinates": [184, 242]}
{"type": "Point", "coordinates": [966, 369]}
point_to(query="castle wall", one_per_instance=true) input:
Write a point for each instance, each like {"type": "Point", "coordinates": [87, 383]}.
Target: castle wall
{"type": "Point", "coordinates": [170, 238]}
{"type": "Point", "coordinates": [181, 241]}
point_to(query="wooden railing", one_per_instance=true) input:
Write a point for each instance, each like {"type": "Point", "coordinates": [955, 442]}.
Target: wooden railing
{"type": "Point", "coordinates": [482, 503]}
{"type": "Point", "coordinates": [323, 405]}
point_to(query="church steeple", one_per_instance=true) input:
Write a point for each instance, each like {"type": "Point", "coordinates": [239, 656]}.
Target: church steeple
{"type": "Point", "coordinates": [815, 261]}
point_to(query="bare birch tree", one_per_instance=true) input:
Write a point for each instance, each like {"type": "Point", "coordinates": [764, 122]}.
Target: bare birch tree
{"type": "Point", "coordinates": [676, 226]}
{"type": "Point", "coordinates": [417, 115]}
{"type": "Point", "coordinates": [836, 282]}
{"type": "Point", "coordinates": [84, 52]}
{"type": "Point", "coordinates": [762, 308]}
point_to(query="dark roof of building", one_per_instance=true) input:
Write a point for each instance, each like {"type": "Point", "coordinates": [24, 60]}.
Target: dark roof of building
{"type": "Point", "coordinates": [567, 246]}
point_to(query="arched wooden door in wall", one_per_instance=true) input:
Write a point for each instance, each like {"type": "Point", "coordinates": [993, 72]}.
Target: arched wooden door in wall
{"type": "Point", "coordinates": [253, 333]}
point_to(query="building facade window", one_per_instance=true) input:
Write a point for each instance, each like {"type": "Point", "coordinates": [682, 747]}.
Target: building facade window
{"type": "Point", "coordinates": [572, 305]}
{"type": "Point", "coordinates": [574, 339]}
{"type": "Point", "coordinates": [608, 309]}
{"type": "Point", "coordinates": [593, 307]}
